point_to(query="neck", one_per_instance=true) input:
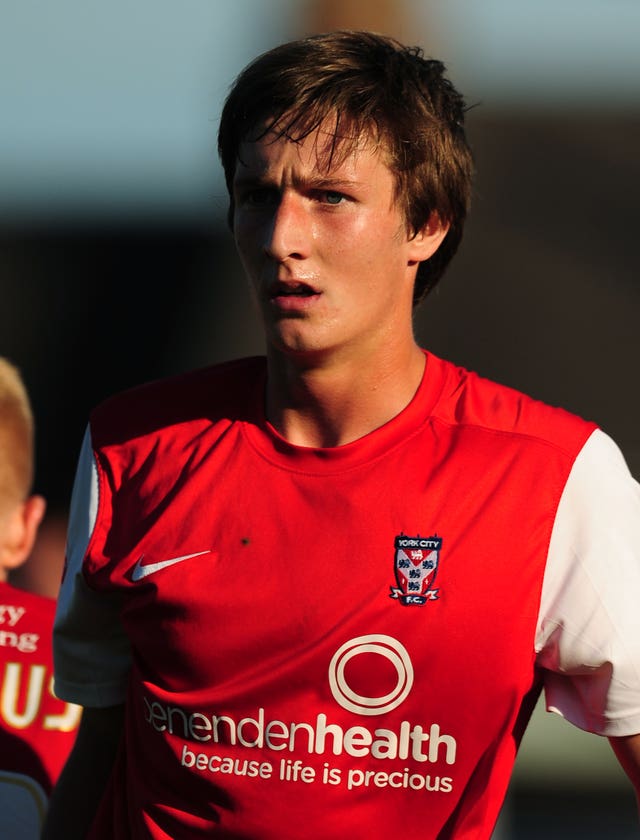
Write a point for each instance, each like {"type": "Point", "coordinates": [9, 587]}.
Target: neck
{"type": "Point", "coordinates": [332, 403]}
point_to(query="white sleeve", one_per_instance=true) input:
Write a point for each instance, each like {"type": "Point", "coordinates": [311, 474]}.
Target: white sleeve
{"type": "Point", "coordinates": [588, 633]}
{"type": "Point", "coordinates": [90, 649]}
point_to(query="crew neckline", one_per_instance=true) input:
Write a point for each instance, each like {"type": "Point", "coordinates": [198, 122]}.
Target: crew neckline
{"type": "Point", "coordinates": [272, 446]}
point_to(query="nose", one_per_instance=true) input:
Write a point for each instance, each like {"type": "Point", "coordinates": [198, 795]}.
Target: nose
{"type": "Point", "coordinates": [289, 234]}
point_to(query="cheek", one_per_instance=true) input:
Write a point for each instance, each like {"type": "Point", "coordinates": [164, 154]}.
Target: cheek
{"type": "Point", "coordinates": [374, 252]}
{"type": "Point", "coordinates": [375, 231]}
{"type": "Point", "coordinates": [248, 228]}
{"type": "Point", "coordinates": [358, 243]}
{"type": "Point", "coordinates": [246, 240]}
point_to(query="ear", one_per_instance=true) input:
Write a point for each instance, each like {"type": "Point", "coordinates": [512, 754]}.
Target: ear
{"type": "Point", "coordinates": [428, 239]}
{"type": "Point", "coordinates": [20, 532]}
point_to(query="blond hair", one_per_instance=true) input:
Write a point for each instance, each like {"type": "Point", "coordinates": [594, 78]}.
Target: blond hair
{"type": "Point", "coordinates": [16, 437]}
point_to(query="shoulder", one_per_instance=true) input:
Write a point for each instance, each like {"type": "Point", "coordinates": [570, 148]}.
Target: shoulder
{"type": "Point", "coordinates": [204, 395]}
{"type": "Point", "coordinates": [587, 636]}
{"type": "Point", "coordinates": [471, 401]}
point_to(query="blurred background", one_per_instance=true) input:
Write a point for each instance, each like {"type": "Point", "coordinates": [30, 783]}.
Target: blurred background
{"type": "Point", "coordinates": [116, 266]}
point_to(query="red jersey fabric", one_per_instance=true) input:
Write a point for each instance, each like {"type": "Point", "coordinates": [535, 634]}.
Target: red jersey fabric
{"type": "Point", "coordinates": [37, 730]}
{"type": "Point", "coordinates": [325, 643]}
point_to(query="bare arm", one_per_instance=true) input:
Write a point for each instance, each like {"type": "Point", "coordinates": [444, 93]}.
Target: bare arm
{"type": "Point", "coordinates": [627, 751]}
{"type": "Point", "coordinates": [76, 797]}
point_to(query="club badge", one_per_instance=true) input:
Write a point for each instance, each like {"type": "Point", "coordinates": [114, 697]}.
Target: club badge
{"type": "Point", "coordinates": [416, 564]}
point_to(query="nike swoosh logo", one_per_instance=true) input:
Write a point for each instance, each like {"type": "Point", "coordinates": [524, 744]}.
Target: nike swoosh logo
{"type": "Point", "coordinates": [139, 571]}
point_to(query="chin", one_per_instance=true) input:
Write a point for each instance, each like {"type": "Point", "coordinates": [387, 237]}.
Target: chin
{"type": "Point", "coordinates": [297, 347]}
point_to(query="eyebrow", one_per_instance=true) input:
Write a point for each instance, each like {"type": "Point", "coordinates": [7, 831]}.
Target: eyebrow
{"type": "Point", "coordinates": [330, 183]}
{"type": "Point", "coordinates": [317, 183]}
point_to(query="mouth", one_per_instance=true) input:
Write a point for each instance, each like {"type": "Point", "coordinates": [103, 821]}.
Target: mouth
{"type": "Point", "coordinates": [291, 289]}
{"type": "Point", "coordinates": [292, 297]}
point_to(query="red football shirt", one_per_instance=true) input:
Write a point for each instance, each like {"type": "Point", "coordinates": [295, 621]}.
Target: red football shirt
{"type": "Point", "coordinates": [315, 643]}
{"type": "Point", "coordinates": [37, 730]}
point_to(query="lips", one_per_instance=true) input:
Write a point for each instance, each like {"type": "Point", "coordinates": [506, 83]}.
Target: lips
{"type": "Point", "coordinates": [291, 288]}
{"type": "Point", "coordinates": [293, 297]}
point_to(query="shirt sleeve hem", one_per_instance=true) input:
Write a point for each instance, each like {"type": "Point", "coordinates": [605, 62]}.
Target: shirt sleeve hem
{"type": "Point", "coordinates": [91, 696]}
{"type": "Point", "coordinates": [607, 727]}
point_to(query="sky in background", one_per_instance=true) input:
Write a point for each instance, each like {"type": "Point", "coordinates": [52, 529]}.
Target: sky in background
{"type": "Point", "coordinates": [112, 107]}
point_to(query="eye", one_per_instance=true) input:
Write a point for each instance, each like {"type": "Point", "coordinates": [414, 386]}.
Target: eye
{"type": "Point", "coordinates": [260, 197]}
{"type": "Point", "coordinates": [333, 197]}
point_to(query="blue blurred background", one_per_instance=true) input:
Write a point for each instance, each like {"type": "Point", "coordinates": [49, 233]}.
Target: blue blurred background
{"type": "Point", "coordinates": [116, 267]}
{"type": "Point", "coordinates": [110, 109]}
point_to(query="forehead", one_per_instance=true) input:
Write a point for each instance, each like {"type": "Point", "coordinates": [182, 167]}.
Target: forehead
{"type": "Point", "coordinates": [323, 151]}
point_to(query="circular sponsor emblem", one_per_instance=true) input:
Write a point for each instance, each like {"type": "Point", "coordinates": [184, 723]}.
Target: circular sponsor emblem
{"type": "Point", "coordinates": [384, 646]}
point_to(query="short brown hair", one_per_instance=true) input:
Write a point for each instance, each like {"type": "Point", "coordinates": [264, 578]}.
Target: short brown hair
{"type": "Point", "coordinates": [16, 437]}
{"type": "Point", "coordinates": [366, 84]}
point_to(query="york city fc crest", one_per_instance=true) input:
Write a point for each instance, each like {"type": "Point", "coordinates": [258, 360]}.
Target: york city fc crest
{"type": "Point", "coordinates": [415, 565]}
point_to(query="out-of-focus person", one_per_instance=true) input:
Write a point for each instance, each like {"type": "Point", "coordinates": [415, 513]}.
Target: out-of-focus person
{"type": "Point", "coordinates": [37, 730]}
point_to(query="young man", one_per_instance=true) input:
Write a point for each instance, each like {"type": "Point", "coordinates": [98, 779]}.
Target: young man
{"type": "Point", "coordinates": [36, 729]}
{"type": "Point", "coordinates": [316, 596]}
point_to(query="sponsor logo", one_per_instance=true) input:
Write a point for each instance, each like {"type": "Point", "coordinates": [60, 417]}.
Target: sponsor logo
{"type": "Point", "coordinates": [416, 562]}
{"type": "Point", "coordinates": [139, 572]}
{"type": "Point", "coordinates": [406, 740]}
{"type": "Point", "coordinates": [389, 649]}
{"type": "Point", "coordinates": [399, 754]}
